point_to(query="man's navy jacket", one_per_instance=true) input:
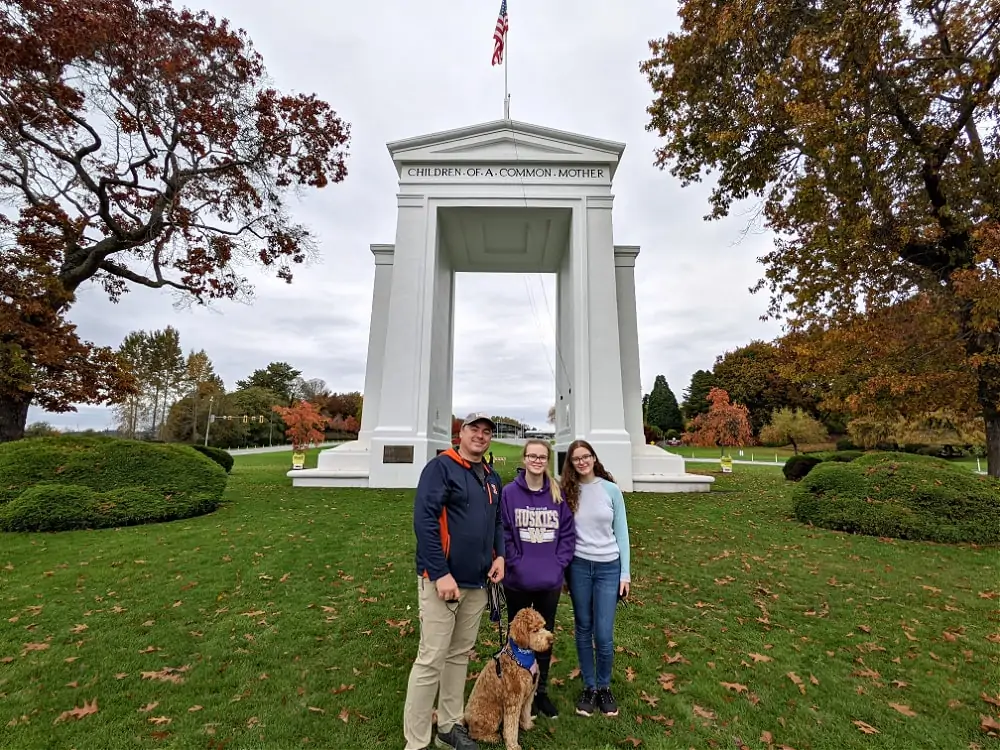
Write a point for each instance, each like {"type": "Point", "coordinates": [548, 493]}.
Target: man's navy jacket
{"type": "Point", "coordinates": [457, 520]}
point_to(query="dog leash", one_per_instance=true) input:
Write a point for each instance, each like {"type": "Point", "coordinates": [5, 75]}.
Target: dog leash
{"type": "Point", "coordinates": [497, 604]}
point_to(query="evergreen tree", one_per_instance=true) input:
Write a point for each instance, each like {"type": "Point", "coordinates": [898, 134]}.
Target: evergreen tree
{"type": "Point", "coordinates": [661, 407]}
{"type": "Point", "coordinates": [696, 395]}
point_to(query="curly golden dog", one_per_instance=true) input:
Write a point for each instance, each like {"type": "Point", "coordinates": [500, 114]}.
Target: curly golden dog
{"type": "Point", "coordinates": [506, 686]}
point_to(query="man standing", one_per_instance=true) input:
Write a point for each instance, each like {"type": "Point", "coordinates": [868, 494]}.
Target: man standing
{"type": "Point", "coordinates": [456, 518]}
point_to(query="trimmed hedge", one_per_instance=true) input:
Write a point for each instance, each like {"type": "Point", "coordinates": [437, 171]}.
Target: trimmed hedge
{"type": "Point", "coordinates": [222, 458]}
{"type": "Point", "coordinates": [73, 482]}
{"type": "Point", "coordinates": [903, 496]}
{"type": "Point", "coordinates": [799, 466]}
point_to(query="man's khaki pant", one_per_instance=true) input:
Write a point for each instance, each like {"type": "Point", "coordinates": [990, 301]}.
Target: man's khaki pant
{"type": "Point", "coordinates": [448, 633]}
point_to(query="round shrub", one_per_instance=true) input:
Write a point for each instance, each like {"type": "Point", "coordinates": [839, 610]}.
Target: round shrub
{"type": "Point", "coordinates": [222, 458]}
{"type": "Point", "coordinates": [74, 482]}
{"type": "Point", "coordinates": [915, 497]}
{"type": "Point", "coordinates": [798, 467]}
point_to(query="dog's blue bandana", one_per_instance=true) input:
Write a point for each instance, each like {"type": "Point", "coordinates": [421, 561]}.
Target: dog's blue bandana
{"type": "Point", "coordinates": [525, 657]}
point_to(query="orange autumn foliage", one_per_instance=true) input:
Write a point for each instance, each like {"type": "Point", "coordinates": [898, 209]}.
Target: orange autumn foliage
{"type": "Point", "coordinates": [305, 423]}
{"type": "Point", "coordinates": [724, 424]}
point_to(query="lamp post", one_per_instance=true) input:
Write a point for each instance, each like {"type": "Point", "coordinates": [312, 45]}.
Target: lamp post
{"type": "Point", "coordinates": [208, 424]}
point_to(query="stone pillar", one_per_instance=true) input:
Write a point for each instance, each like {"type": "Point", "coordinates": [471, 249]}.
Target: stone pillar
{"type": "Point", "coordinates": [399, 444]}
{"type": "Point", "coordinates": [599, 356]}
{"type": "Point", "coordinates": [376, 340]}
{"type": "Point", "coordinates": [442, 356]}
{"type": "Point", "coordinates": [628, 338]}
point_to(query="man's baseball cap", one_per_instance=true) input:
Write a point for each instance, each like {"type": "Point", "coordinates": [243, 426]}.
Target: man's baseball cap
{"type": "Point", "coordinates": [480, 416]}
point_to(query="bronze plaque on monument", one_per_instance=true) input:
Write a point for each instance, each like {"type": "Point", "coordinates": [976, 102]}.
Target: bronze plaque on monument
{"type": "Point", "coordinates": [397, 454]}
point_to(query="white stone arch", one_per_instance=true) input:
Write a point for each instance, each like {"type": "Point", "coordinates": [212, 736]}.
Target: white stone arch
{"type": "Point", "coordinates": [501, 197]}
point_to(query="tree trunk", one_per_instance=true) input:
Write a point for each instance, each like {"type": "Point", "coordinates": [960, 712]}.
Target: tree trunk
{"type": "Point", "coordinates": [13, 417]}
{"type": "Point", "coordinates": [991, 415]}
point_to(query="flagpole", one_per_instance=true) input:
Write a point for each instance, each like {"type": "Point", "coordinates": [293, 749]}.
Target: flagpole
{"type": "Point", "coordinates": [506, 55]}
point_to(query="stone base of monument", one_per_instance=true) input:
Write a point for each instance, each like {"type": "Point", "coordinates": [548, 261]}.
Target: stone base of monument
{"type": "Point", "coordinates": [656, 470]}
{"type": "Point", "coordinates": [653, 470]}
{"type": "Point", "coordinates": [346, 465]}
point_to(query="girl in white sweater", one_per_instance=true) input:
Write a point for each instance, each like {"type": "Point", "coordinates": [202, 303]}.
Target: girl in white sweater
{"type": "Point", "coordinates": [599, 573]}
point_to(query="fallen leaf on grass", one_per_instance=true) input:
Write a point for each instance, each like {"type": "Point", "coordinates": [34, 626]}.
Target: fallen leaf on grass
{"type": "Point", "coordinates": [78, 628]}
{"type": "Point", "coordinates": [991, 700]}
{"type": "Point", "coordinates": [316, 710]}
{"type": "Point", "coordinates": [903, 709]}
{"type": "Point", "coordinates": [9, 659]}
{"type": "Point", "coordinates": [149, 707]}
{"type": "Point", "coordinates": [666, 681]}
{"type": "Point", "coordinates": [798, 682]}
{"type": "Point", "coordinates": [760, 657]}
{"type": "Point", "coordinates": [702, 712]}
{"type": "Point", "coordinates": [633, 741]}
{"type": "Point", "coordinates": [989, 725]}
{"type": "Point", "coordinates": [150, 650]}
{"type": "Point", "coordinates": [344, 715]}
{"type": "Point", "coordinates": [167, 674]}
{"type": "Point", "coordinates": [651, 700]}
{"type": "Point", "coordinates": [342, 689]}
{"type": "Point", "coordinates": [194, 708]}
{"type": "Point", "coordinates": [159, 720]}
{"type": "Point", "coordinates": [35, 647]}
{"type": "Point", "coordinates": [121, 675]}
{"type": "Point", "coordinates": [629, 674]}
{"type": "Point", "coordinates": [575, 673]}
{"type": "Point", "coordinates": [766, 737]}
{"type": "Point", "coordinates": [78, 712]}
{"type": "Point", "coordinates": [735, 687]}
{"type": "Point", "coordinates": [864, 727]}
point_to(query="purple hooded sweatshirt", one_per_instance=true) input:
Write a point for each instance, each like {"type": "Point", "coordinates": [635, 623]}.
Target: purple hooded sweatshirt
{"type": "Point", "coordinates": [539, 537]}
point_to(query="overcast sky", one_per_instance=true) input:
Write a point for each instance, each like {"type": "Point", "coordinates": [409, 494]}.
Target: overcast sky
{"type": "Point", "coordinates": [400, 68]}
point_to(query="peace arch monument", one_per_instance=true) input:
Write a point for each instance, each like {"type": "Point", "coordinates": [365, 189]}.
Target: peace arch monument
{"type": "Point", "coordinates": [501, 197]}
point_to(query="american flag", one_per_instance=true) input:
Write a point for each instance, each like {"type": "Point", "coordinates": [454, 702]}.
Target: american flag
{"type": "Point", "coordinates": [500, 34]}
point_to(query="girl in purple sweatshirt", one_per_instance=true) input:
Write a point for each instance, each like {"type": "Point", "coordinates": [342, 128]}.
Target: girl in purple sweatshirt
{"type": "Point", "coordinates": [539, 542]}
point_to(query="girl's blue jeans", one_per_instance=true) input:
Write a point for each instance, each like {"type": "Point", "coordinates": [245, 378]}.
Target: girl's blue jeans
{"type": "Point", "coordinates": [593, 589]}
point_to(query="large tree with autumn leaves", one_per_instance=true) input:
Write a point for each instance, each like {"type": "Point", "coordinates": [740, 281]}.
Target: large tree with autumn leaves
{"type": "Point", "coordinates": [869, 132]}
{"type": "Point", "coordinates": [139, 145]}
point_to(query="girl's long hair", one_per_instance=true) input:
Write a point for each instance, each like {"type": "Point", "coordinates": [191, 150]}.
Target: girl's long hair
{"type": "Point", "coordinates": [571, 478]}
{"type": "Point", "coordinates": [553, 486]}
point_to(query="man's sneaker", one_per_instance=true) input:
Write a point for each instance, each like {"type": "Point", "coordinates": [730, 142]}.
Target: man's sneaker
{"type": "Point", "coordinates": [585, 706]}
{"type": "Point", "coordinates": [458, 738]}
{"type": "Point", "coordinates": [606, 702]}
{"type": "Point", "coordinates": [543, 705]}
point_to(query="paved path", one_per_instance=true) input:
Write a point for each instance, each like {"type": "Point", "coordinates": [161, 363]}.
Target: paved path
{"type": "Point", "coordinates": [274, 448]}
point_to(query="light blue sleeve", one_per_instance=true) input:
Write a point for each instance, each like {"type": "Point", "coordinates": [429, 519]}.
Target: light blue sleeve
{"type": "Point", "coordinates": [620, 528]}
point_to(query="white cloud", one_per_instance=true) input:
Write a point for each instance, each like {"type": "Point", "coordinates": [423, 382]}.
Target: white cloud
{"type": "Point", "coordinates": [396, 69]}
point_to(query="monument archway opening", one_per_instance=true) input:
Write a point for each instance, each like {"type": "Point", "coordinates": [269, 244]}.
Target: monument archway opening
{"type": "Point", "coordinates": [505, 355]}
{"type": "Point", "coordinates": [502, 197]}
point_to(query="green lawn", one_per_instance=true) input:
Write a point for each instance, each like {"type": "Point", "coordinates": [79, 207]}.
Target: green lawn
{"type": "Point", "coordinates": [287, 620]}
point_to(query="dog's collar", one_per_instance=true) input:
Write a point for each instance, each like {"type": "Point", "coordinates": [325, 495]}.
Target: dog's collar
{"type": "Point", "coordinates": [525, 657]}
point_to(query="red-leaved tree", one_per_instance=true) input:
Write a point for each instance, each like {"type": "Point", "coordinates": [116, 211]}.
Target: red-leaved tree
{"type": "Point", "coordinates": [305, 423]}
{"type": "Point", "coordinates": [724, 424]}
{"type": "Point", "coordinates": [139, 145]}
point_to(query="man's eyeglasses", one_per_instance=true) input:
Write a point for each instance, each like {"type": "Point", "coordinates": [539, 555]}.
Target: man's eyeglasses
{"type": "Point", "coordinates": [535, 458]}
{"type": "Point", "coordinates": [582, 459]}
